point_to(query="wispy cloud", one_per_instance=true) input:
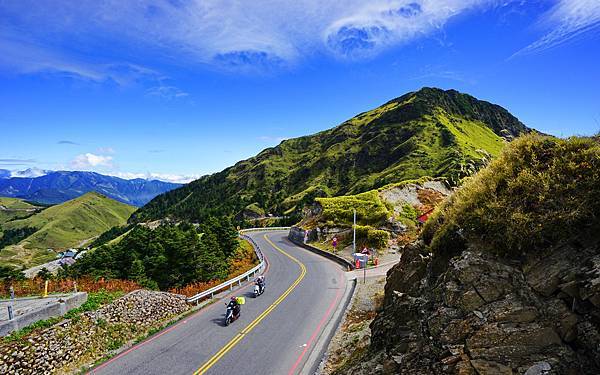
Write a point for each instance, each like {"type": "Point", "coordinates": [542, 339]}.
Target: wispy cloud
{"type": "Point", "coordinates": [166, 92]}
{"type": "Point", "coordinates": [106, 150]}
{"type": "Point", "coordinates": [89, 161]}
{"type": "Point", "coordinates": [64, 142]}
{"type": "Point", "coordinates": [231, 33]}
{"type": "Point", "coordinates": [566, 20]}
{"type": "Point", "coordinates": [236, 34]}
{"type": "Point", "coordinates": [156, 151]}
{"type": "Point", "coordinates": [28, 56]}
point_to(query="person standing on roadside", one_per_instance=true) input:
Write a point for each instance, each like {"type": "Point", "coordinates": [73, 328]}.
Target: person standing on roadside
{"type": "Point", "coordinates": [334, 243]}
{"type": "Point", "coordinates": [365, 250]}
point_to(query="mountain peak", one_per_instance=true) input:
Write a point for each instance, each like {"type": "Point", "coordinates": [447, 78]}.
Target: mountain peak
{"type": "Point", "coordinates": [428, 100]}
{"type": "Point", "coordinates": [430, 132]}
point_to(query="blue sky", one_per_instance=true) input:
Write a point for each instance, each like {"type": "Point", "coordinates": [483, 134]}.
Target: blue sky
{"type": "Point", "coordinates": [177, 89]}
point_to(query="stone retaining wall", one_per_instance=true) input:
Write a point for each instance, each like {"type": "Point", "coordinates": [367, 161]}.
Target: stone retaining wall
{"type": "Point", "coordinates": [73, 343]}
{"type": "Point", "coordinates": [58, 308]}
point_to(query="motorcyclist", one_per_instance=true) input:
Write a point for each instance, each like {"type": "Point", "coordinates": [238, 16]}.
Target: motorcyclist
{"type": "Point", "coordinates": [235, 306]}
{"type": "Point", "coordinates": [260, 281]}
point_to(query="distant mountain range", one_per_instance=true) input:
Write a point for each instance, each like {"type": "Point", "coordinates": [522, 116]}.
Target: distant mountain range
{"type": "Point", "coordinates": [49, 187]}
{"type": "Point", "coordinates": [430, 132]}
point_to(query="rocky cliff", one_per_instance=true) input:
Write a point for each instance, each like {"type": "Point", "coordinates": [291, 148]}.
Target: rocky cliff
{"type": "Point", "coordinates": [462, 302]}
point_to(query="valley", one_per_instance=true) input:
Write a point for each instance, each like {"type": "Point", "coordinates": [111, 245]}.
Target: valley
{"type": "Point", "coordinates": [60, 227]}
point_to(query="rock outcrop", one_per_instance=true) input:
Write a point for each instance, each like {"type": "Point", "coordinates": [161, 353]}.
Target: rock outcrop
{"type": "Point", "coordinates": [477, 313]}
{"type": "Point", "coordinates": [66, 346]}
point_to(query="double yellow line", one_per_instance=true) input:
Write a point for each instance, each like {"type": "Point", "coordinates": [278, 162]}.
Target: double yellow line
{"type": "Point", "coordinates": [237, 338]}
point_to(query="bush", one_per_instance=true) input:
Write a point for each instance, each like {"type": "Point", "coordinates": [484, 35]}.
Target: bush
{"type": "Point", "coordinates": [371, 237]}
{"type": "Point", "coordinates": [370, 209]}
{"type": "Point", "coordinates": [541, 190]}
{"type": "Point", "coordinates": [409, 212]}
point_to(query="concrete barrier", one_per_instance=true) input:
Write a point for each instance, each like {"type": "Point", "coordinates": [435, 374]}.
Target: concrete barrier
{"type": "Point", "coordinates": [53, 309]}
{"type": "Point", "coordinates": [296, 235]}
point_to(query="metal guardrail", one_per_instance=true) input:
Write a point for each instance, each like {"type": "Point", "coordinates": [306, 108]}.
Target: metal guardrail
{"type": "Point", "coordinates": [246, 275]}
{"type": "Point", "coordinates": [263, 229]}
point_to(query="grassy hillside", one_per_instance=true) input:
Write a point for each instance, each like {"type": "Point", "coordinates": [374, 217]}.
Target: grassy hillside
{"type": "Point", "coordinates": [13, 208]}
{"type": "Point", "coordinates": [430, 132]}
{"type": "Point", "coordinates": [63, 226]}
{"type": "Point", "coordinates": [540, 191]}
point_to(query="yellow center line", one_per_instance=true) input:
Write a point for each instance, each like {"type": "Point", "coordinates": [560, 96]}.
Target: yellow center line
{"type": "Point", "coordinates": [214, 359]}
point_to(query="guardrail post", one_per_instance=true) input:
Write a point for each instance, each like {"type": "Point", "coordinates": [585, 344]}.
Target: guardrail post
{"type": "Point", "coordinates": [10, 305]}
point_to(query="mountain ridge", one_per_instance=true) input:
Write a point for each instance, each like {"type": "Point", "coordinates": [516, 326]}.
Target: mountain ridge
{"type": "Point", "coordinates": [61, 186]}
{"type": "Point", "coordinates": [430, 132]}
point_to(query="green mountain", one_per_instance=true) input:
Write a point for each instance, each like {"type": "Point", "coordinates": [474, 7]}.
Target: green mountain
{"type": "Point", "coordinates": [14, 208]}
{"type": "Point", "coordinates": [430, 132]}
{"type": "Point", "coordinates": [60, 227]}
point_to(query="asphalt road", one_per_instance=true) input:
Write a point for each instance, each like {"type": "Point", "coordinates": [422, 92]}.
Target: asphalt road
{"type": "Point", "coordinates": [276, 333]}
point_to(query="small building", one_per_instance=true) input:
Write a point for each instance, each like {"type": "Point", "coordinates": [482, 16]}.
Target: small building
{"type": "Point", "coordinates": [71, 253]}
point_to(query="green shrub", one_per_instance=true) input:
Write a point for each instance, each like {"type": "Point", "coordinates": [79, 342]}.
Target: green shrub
{"type": "Point", "coordinates": [409, 212]}
{"type": "Point", "coordinates": [371, 237]}
{"type": "Point", "coordinates": [369, 207]}
{"type": "Point", "coordinates": [541, 190]}
{"type": "Point", "coordinates": [255, 209]}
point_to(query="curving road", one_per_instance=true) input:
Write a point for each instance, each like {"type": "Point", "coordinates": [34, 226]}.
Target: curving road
{"type": "Point", "coordinates": [280, 332]}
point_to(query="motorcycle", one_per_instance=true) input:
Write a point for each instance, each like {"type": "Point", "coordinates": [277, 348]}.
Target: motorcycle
{"type": "Point", "coordinates": [230, 316]}
{"type": "Point", "coordinates": [258, 290]}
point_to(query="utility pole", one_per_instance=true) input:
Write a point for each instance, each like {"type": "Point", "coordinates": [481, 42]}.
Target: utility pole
{"type": "Point", "coordinates": [354, 234]}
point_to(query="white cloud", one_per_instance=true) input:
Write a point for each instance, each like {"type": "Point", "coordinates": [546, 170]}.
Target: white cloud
{"type": "Point", "coordinates": [566, 20]}
{"type": "Point", "coordinates": [106, 150]}
{"type": "Point", "coordinates": [238, 33]}
{"type": "Point", "coordinates": [89, 160]}
{"type": "Point", "coordinates": [166, 92]}
{"type": "Point", "coordinates": [25, 56]}
{"type": "Point", "coordinates": [176, 178]}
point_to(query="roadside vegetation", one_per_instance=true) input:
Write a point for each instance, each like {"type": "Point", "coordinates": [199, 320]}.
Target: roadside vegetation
{"type": "Point", "coordinates": [95, 300]}
{"type": "Point", "coordinates": [169, 256]}
{"type": "Point", "coordinates": [540, 191]}
{"type": "Point", "coordinates": [370, 209]}
{"type": "Point", "coordinates": [57, 284]}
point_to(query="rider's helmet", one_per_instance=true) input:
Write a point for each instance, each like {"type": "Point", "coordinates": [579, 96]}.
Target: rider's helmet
{"type": "Point", "coordinates": [233, 298]}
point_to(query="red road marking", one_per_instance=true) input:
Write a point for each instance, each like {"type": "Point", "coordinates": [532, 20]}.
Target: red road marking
{"type": "Point", "coordinates": [314, 334]}
{"type": "Point", "coordinates": [150, 339]}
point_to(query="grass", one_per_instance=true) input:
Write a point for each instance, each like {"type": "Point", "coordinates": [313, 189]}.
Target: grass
{"type": "Point", "coordinates": [65, 225]}
{"type": "Point", "coordinates": [538, 192]}
{"type": "Point", "coordinates": [15, 209]}
{"type": "Point", "coordinates": [94, 302]}
{"type": "Point", "coordinates": [426, 133]}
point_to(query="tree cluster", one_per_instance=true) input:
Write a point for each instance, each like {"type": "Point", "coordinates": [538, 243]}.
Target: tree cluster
{"type": "Point", "coordinates": [169, 256]}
